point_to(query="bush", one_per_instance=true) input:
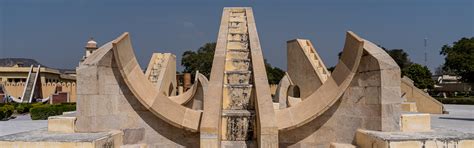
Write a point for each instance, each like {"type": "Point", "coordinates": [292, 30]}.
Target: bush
{"type": "Point", "coordinates": [467, 101]}
{"type": "Point", "coordinates": [6, 111]}
{"type": "Point", "coordinates": [42, 112]}
{"type": "Point", "coordinates": [23, 108]}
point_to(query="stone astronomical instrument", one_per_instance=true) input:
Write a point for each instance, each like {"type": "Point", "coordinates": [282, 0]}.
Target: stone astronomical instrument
{"type": "Point", "coordinates": [235, 108]}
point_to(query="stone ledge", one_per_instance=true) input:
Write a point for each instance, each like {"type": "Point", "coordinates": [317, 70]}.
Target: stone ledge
{"type": "Point", "coordinates": [62, 124]}
{"type": "Point", "coordinates": [448, 139]}
{"type": "Point", "coordinates": [43, 139]}
{"type": "Point", "coordinates": [415, 122]}
{"type": "Point", "coordinates": [341, 145]}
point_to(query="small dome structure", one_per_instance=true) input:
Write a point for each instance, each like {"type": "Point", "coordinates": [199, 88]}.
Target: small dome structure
{"type": "Point", "coordinates": [91, 43]}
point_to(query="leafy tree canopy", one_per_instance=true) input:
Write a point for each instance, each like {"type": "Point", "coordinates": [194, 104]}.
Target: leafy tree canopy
{"type": "Point", "coordinates": [201, 60]}
{"type": "Point", "coordinates": [400, 57]}
{"type": "Point", "coordinates": [420, 75]}
{"type": "Point", "coordinates": [459, 58]}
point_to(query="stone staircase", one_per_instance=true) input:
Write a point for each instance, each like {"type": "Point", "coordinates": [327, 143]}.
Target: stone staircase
{"type": "Point", "coordinates": [30, 85]}
{"type": "Point", "coordinates": [316, 60]}
{"type": "Point", "coordinates": [238, 109]}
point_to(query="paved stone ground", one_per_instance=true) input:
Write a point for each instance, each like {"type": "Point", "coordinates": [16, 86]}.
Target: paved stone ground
{"type": "Point", "coordinates": [21, 123]}
{"type": "Point", "coordinates": [460, 118]}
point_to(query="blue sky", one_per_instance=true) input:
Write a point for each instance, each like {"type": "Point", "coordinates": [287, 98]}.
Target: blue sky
{"type": "Point", "coordinates": [54, 32]}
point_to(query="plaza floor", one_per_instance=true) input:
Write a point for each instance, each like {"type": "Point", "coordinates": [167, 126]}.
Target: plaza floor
{"type": "Point", "coordinates": [459, 119]}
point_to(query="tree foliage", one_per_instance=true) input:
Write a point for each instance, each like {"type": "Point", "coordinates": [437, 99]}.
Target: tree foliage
{"type": "Point", "coordinates": [400, 57]}
{"type": "Point", "coordinates": [274, 74]}
{"type": "Point", "coordinates": [201, 60]}
{"type": "Point", "coordinates": [459, 58]}
{"type": "Point", "coordinates": [420, 75]}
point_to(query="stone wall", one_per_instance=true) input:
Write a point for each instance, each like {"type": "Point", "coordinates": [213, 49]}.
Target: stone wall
{"type": "Point", "coordinates": [106, 103]}
{"type": "Point", "coordinates": [47, 89]}
{"type": "Point", "coordinates": [370, 102]}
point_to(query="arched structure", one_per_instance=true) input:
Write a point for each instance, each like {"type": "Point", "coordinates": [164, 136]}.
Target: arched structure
{"type": "Point", "coordinates": [324, 97]}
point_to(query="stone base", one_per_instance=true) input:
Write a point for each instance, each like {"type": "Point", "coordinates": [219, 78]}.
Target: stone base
{"type": "Point", "coordinates": [446, 139]}
{"type": "Point", "coordinates": [341, 145]}
{"type": "Point", "coordinates": [409, 107]}
{"type": "Point", "coordinates": [238, 144]}
{"type": "Point", "coordinates": [43, 139]}
{"type": "Point", "coordinates": [62, 124]}
{"type": "Point", "coordinates": [134, 146]}
{"type": "Point", "coordinates": [415, 122]}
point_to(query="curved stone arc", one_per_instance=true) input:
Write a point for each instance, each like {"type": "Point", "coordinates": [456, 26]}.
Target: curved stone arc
{"type": "Point", "coordinates": [159, 104]}
{"type": "Point", "coordinates": [308, 71]}
{"type": "Point", "coordinates": [323, 98]}
{"type": "Point", "coordinates": [189, 94]}
{"type": "Point", "coordinates": [281, 94]}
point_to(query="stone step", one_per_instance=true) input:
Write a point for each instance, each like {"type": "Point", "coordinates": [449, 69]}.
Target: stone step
{"type": "Point", "coordinates": [238, 144]}
{"type": "Point", "coordinates": [409, 107]}
{"type": "Point", "coordinates": [62, 124]}
{"type": "Point", "coordinates": [238, 77]}
{"type": "Point", "coordinates": [415, 122]}
{"type": "Point", "coordinates": [341, 145]}
{"type": "Point", "coordinates": [239, 113]}
{"type": "Point", "coordinates": [140, 145]}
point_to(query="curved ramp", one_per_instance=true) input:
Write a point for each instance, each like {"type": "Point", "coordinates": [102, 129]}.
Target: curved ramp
{"type": "Point", "coordinates": [189, 94]}
{"type": "Point", "coordinates": [281, 94]}
{"type": "Point", "coordinates": [323, 98]}
{"type": "Point", "coordinates": [156, 102]}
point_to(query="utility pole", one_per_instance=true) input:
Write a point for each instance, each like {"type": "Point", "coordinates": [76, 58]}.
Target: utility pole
{"type": "Point", "coordinates": [426, 53]}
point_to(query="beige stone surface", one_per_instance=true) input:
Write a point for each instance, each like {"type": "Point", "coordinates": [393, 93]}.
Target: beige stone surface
{"type": "Point", "coordinates": [62, 124]}
{"type": "Point", "coordinates": [341, 145]}
{"type": "Point", "coordinates": [161, 71]}
{"type": "Point", "coordinates": [267, 133]}
{"type": "Point", "coordinates": [210, 128]}
{"type": "Point", "coordinates": [324, 97]}
{"type": "Point", "coordinates": [374, 139]}
{"type": "Point", "coordinates": [307, 69]}
{"type": "Point", "coordinates": [415, 122]}
{"type": "Point", "coordinates": [409, 107]}
{"type": "Point", "coordinates": [281, 95]}
{"type": "Point", "coordinates": [364, 104]}
{"type": "Point", "coordinates": [424, 102]}
{"type": "Point", "coordinates": [106, 103]}
{"type": "Point", "coordinates": [157, 102]}
{"type": "Point", "coordinates": [112, 139]}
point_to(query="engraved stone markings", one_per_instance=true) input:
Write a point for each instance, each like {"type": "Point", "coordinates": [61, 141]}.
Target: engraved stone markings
{"type": "Point", "coordinates": [238, 115]}
{"type": "Point", "coordinates": [156, 69]}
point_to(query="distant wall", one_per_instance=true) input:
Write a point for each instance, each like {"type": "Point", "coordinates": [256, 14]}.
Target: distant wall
{"type": "Point", "coordinates": [47, 89]}
{"type": "Point", "coordinates": [14, 89]}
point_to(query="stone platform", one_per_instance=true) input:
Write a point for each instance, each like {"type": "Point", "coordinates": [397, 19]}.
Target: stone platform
{"type": "Point", "coordinates": [43, 138]}
{"type": "Point", "coordinates": [441, 138]}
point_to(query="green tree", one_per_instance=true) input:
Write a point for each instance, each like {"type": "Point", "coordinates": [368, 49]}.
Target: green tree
{"type": "Point", "coordinates": [420, 75]}
{"type": "Point", "coordinates": [459, 58]}
{"type": "Point", "coordinates": [202, 60]}
{"type": "Point", "coordinates": [400, 57]}
{"type": "Point", "coordinates": [274, 74]}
